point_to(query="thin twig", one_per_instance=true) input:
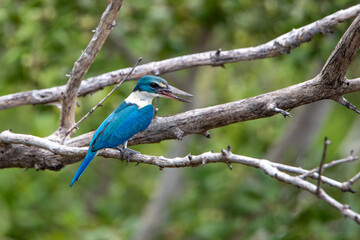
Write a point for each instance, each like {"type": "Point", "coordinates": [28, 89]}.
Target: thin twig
{"type": "Point", "coordinates": [326, 144]}
{"type": "Point", "coordinates": [329, 165]}
{"type": "Point", "coordinates": [76, 126]}
{"type": "Point", "coordinates": [156, 109]}
{"type": "Point", "coordinates": [347, 185]}
{"type": "Point", "coordinates": [310, 187]}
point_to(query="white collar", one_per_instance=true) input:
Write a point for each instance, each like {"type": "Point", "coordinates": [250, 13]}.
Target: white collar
{"type": "Point", "coordinates": [141, 98]}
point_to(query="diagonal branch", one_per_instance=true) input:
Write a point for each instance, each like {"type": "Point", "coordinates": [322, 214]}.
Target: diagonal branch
{"type": "Point", "coordinates": [273, 48]}
{"type": "Point", "coordinates": [333, 72]}
{"type": "Point", "coordinates": [82, 65]}
{"type": "Point", "coordinates": [349, 159]}
{"type": "Point", "coordinates": [76, 126]}
{"type": "Point", "coordinates": [321, 167]}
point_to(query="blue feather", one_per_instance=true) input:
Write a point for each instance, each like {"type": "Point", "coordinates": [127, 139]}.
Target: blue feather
{"type": "Point", "coordinates": [123, 123]}
{"type": "Point", "coordinates": [89, 156]}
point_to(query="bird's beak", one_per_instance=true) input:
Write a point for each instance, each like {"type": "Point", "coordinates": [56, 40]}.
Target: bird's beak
{"type": "Point", "coordinates": [171, 91]}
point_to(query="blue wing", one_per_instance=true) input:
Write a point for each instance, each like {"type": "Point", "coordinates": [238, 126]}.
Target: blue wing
{"type": "Point", "coordinates": [121, 125]}
{"type": "Point", "coordinates": [117, 128]}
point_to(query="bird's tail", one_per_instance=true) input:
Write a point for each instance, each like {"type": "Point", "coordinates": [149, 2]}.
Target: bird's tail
{"type": "Point", "coordinates": [89, 156]}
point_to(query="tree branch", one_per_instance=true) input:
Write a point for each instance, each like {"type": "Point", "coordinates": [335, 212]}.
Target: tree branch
{"type": "Point", "coordinates": [82, 65]}
{"type": "Point", "coordinates": [198, 121]}
{"type": "Point", "coordinates": [275, 170]}
{"type": "Point", "coordinates": [339, 61]}
{"type": "Point", "coordinates": [273, 48]}
{"type": "Point", "coordinates": [42, 153]}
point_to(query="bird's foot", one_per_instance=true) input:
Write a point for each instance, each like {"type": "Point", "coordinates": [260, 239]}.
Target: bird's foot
{"type": "Point", "coordinates": [122, 150]}
{"type": "Point", "coordinates": [131, 151]}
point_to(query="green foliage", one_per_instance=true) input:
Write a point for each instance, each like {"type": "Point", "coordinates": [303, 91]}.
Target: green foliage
{"type": "Point", "coordinates": [40, 40]}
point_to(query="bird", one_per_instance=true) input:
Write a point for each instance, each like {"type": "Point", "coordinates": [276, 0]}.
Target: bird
{"type": "Point", "coordinates": [133, 115]}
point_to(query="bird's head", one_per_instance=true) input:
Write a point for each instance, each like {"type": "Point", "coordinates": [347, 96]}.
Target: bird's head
{"type": "Point", "coordinates": [160, 88]}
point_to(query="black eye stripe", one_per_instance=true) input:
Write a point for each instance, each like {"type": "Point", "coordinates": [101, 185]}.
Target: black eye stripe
{"type": "Point", "coordinates": [154, 85]}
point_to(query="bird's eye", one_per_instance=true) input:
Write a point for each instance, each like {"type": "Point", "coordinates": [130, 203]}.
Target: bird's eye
{"type": "Point", "coordinates": [154, 85]}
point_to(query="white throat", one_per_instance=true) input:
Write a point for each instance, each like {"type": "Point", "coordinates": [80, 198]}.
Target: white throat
{"type": "Point", "coordinates": [141, 98]}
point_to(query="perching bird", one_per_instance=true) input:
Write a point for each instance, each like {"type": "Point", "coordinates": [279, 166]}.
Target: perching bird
{"type": "Point", "coordinates": [133, 115]}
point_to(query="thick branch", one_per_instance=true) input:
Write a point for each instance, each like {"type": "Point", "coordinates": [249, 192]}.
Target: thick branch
{"type": "Point", "coordinates": [82, 65]}
{"type": "Point", "coordinates": [198, 121]}
{"type": "Point", "coordinates": [275, 47]}
{"type": "Point", "coordinates": [339, 61]}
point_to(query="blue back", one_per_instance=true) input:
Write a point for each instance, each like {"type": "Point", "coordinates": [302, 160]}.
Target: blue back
{"type": "Point", "coordinates": [123, 123]}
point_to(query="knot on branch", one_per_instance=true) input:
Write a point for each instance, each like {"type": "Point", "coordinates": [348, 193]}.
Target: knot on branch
{"type": "Point", "coordinates": [227, 153]}
{"type": "Point", "coordinates": [272, 107]}
{"type": "Point", "coordinates": [206, 134]}
{"type": "Point", "coordinates": [216, 59]}
{"type": "Point", "coordinates": [113, 24]}
{"type": "Point", "coordinates": [179, 134]}
{"type": "Point", "coordinates": [283, 49]}
{"type": "Point", "coordinates": [343, 101]}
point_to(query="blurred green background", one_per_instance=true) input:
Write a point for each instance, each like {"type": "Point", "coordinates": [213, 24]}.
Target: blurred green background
{"type": "Point", "coordinates": [39, 42]}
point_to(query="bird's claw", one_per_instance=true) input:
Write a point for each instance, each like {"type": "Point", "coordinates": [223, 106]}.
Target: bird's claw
{"type": "Point", "coordinates": [131, 151]}
{"type": "Point", "coordinates": [122, 150]}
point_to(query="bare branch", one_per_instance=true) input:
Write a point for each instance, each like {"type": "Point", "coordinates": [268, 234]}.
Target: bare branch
{"type": "Point", "coordinates": [76, 126]}
{"type": "Point", "coordinates": [7, 137]}
{"type": "Point", "coordinates": [342, 100]}
{"type": "Point", "coordinates": [82, 65]}
{"type": "Point", "coordinates": [333, 72]}
{"type": "Point", "coordinates": [300, 183]}
{"type": "Point", "coordinates": [326, 144]}
{"type": "Point", "coordinates": [274, 170]}
{"type": "Point", "coordinates": [330, 164]}
{"type": "Point", "coordinates": [348, 184]}
{"type": "Point", "coordinates": [273, 48]}
{"type": "Point", "coordinates": [11, 143]}
{"type": "Point", "coordinates": [198, 121]}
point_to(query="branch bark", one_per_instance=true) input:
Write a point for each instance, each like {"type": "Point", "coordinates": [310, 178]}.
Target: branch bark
{"type": "Point", "coordinates": [333, 73]}
{"type": "Point", "coordinates": [275, 170]}
{"type": "Point", "coordinates": [273, 48]}
{"type": "Point", "coordinates": [82, 65]}
{"type": "Point", "coordinates": [12, 142]}
{"type": "Point", "coordinates": [198, 121]}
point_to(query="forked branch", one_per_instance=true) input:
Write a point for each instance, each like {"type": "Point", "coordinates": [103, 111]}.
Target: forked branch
{"type": "Point", "coordinates": [82, 65]}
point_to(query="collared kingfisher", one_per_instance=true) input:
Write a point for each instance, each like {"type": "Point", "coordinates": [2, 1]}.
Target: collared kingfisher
{"type": "Point", "coordinates": [133, 115]}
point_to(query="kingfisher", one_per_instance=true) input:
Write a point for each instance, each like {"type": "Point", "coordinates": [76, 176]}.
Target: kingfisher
{"type": "Point", "coordinates": [133, 115]}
